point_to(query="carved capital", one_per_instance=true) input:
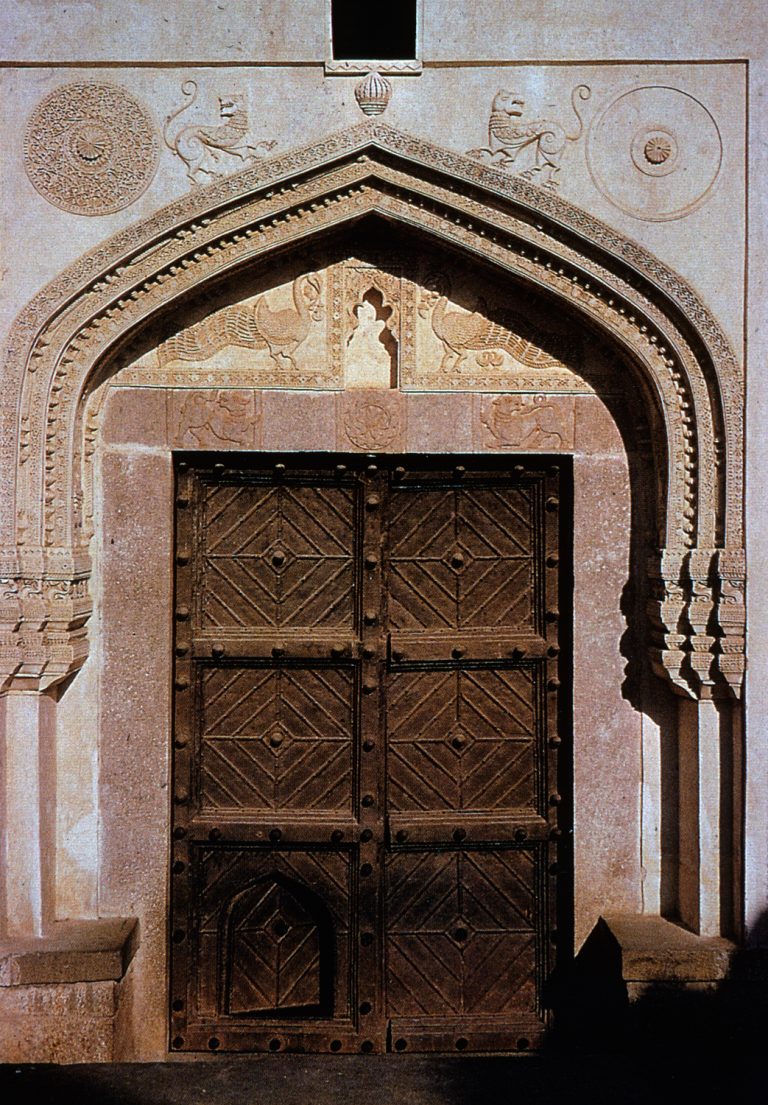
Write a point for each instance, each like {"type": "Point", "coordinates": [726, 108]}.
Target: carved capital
{"type": "Point", "coordinates": [43, 620]}
{"type": "Point", "coordinates": [697, 616]}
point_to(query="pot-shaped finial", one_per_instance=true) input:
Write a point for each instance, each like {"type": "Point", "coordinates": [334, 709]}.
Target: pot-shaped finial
{"type": "Point", "coordinates": [373, 94]}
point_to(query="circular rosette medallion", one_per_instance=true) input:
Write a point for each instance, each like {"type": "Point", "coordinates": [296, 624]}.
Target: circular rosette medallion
{"type": "Point", "coordinates": [371, 425]}
{"type": "Point", "coordinates": [90, 149]}
{"type": "Point", "coordinates": [655, 152]}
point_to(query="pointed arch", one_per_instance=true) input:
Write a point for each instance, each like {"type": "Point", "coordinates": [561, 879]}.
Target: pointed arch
{"type": "Point", "coordinates": [64, 340]}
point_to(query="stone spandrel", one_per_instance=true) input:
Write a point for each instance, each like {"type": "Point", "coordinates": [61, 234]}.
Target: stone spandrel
{"type": "Point", "coordinates": [549, 124]}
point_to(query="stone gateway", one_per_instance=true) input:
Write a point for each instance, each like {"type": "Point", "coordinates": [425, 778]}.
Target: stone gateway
{"type": "Point", "coordinates": [375, 639]}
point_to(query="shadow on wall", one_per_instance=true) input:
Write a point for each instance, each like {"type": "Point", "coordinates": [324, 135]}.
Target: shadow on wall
{"type": "Point", "coordinates": [697, 1021]}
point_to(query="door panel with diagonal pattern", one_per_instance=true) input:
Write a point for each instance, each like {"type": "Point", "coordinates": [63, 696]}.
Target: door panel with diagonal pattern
{"type": "Point", "coordinates": [366, 733]}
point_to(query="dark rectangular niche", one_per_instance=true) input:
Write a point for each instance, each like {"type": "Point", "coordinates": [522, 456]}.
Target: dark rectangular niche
{"type": "Point", "coordinates": [369, 30]}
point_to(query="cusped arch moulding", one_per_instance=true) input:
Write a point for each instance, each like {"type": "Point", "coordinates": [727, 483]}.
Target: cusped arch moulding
{"type": "Point", "coordinates": [62, 343]}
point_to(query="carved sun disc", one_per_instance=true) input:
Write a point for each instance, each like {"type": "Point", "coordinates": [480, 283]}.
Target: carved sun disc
{"type": "Point", "coordinates": [655, 152]}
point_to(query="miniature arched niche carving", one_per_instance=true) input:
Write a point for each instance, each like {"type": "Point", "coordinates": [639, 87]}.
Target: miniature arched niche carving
{"type": "Point", "coordinates": [371, 356]}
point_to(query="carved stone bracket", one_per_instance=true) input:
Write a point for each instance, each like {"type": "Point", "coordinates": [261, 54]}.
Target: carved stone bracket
{"type": "Point", "coordinates": [697, 615]}
{"type": "Point", "coordinates": [730, 577]}
{"type": "Point", "coordinates": [45, 605]}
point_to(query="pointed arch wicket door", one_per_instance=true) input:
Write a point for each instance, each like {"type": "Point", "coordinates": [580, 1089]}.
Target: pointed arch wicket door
{"type": "Point", "coordinates": [366, 737]}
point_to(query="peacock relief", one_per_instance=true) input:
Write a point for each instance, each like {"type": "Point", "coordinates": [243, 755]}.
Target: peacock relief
{"type": "Point", "coordinates": [253, 325]}
{"type": "Point", "coordinates": [486, 333]}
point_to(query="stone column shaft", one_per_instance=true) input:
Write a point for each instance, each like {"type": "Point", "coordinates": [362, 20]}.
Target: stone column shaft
{"type": "Point", "coordinates": [29, 784]}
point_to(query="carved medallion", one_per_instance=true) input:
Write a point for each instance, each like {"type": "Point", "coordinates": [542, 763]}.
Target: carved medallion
{"type": "Point", "coordinates": [90, 149]}
{"type": "Point", "coordinates": [655, 152]}
{"type": "Point", "coordinates": [372, 423]}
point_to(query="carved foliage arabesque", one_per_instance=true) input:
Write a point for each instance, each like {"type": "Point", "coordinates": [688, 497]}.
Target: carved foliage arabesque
{"type": "Point", "coordinates": [72, 324]}
{"type": "Point", "coordinates": [90, 149]}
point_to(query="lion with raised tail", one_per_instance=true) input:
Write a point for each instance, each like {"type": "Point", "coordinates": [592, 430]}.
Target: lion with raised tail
{"type": "Point", "coordinates": [201, 147]}
{"type": "Point", "coordinates": [510, 135]}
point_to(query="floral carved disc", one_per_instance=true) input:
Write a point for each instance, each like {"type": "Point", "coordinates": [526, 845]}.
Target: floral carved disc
{"type": "Point", "coordinates": [371, 425]}
{"type": "Point", "coordinates": [90, 149]}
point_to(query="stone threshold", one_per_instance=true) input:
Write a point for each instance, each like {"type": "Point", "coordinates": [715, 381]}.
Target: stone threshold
{"type": "Point", "coordinates": [73, 951]}
{"type": "Point", "coordinates": [655, 950]}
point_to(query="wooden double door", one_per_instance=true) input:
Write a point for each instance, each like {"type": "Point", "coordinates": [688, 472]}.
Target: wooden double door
{"type": "Point", "coordinates": [366, 735]}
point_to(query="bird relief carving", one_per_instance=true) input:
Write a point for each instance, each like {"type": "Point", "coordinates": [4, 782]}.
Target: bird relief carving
{"type": "Point", "coordinates": [258, 325]}
{"type": "Point", "coordinates": [530, 147]}
{"type": "Point", "coordinates": [486, 334]}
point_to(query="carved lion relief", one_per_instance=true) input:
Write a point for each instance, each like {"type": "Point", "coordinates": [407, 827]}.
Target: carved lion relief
{"type": "Point", "coordinates": [219, 419]}
{"type": "Point", "coordinates": [532, 147]}
{"type": "Point", "coordinates": [529, 421]}
{"type": "Point", "coordinates": [215, 149]}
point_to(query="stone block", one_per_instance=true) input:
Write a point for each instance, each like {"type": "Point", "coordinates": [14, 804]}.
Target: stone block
{"type": "Point", "coordinates": [655, 950]}
{"type": "Point", "coordinates": [136, 416]}
{"type": "Point", "coordinates": [64, 1023]}
{"type": "Point", "coordinates": [299, 420]}
{"type": "Point", "coordinates": [72, 952]}
{"type": "Point", "coordinates": [441, 423]}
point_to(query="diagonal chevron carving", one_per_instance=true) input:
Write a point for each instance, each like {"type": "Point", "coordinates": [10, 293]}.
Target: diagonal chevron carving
{"type": "Point", "coordinates": [460, 935]}
{"type": "Point", "coordinates": [277, 557]}
{"type": "Point", "coordinates": [462, 739]}
{"type": "Point", "coordinates": [277, 738]}
{"type": "Point", "coordinates": [461, 558]}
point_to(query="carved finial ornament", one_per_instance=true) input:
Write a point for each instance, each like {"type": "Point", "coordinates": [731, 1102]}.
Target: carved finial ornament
{"type": "Point", "coordinates": [373, 94]}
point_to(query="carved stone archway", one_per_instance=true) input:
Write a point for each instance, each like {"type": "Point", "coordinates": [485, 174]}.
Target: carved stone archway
{"type": "Point", "coordinates": [65, 340]}
{"type": "Point", "coordinates": [83, 317]}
